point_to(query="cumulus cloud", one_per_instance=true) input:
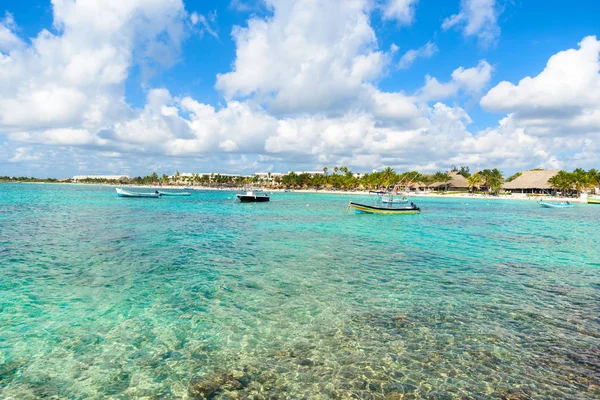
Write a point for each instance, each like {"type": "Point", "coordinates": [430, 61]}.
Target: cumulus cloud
{"type": "Point", "coordinates": [8, 39]}
{"type": "Point", "coordinates": [478, 18]}
{"type": "Point", "coordinates": [569, 82]}
{"type": "Point", "coordinates": [561, 104]}
{"type": "Point", "coordinates": [74, 79]}
{"type": "Point", "coordinates": [24, 154]}
{"type": "Point", "coordinates": [403, 11]}
{"type": "Point", "coordinates": [472, 81]}
{"type": "Point", "coordinates": [426, 51]}
{"type": "Point", "coordinates": [284, 62]}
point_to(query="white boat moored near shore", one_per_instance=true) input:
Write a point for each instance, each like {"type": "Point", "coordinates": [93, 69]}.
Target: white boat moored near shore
{"type": "Point", "coordinates": [126, 193]}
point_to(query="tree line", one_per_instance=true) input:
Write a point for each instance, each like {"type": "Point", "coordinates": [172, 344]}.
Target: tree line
{"type": "Point", "coordinates": [575, 181]}
{"type": "Point", "coordinates": [15, 179]}
{"type": "Point", "coordinates": [342, 178]}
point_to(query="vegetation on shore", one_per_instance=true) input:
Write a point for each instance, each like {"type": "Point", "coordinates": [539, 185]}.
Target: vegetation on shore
{"type": "Point", "coordinates": [576, 181]}
{"type": "Point", "coordinates": [16, 179]}
{"type": "Point", "coordinates": [341, 178]}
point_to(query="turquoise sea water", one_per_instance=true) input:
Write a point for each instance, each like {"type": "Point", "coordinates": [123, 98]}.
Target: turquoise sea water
{"type": "Point", "coordinates": [103, 297]}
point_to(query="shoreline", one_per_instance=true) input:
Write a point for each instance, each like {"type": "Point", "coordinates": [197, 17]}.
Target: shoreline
{"type": "Point", "coordinates": [515, 196]}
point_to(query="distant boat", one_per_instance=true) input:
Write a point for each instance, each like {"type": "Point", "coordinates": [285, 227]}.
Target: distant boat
{"type": "Point", "coordinates": [125, 193]}
{"type": "Point", "coordinates": [546, 204]}
{"type": "Point", "coordinates": [253, 196]}
{"type": "Point", "coordinates": [593, 200]}
{"type": "Point", "coordinates": [174, 193]}
{"type": "Point", "coordinates": [381, 209]}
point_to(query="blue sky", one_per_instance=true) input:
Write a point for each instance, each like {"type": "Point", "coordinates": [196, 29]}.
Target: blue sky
{"type": "Point", "coordinates": [102, 87]}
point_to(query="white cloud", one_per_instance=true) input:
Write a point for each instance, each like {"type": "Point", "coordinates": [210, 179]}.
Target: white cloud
{"type": "Point", "coordinates": [283, 61]}
{"type": "Point", "coordinates": [560, 106]}
{"type": "Point", "coordinates": [23, 154]}
{"type": "Point", "coordinates": [475, 79]}
{"type": "Point", "coordinates": [569, 83]}
{"type": "Point", "coordinates": [426, 51]}
{"type": "Point", "coordinates": [74, 79]}
{"type": "Point", "coordinates": [472, 81]}
{"type": "Point", "coordinates": [205, 24]}
{"type": "Point", "coordinates": [8, 40]}
{"type": "Point", "coordinates": [477, 18]}
{"type": "Point", "coordinates": [402, 11]}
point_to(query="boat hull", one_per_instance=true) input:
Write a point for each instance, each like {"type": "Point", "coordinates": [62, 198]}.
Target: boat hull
{"type": "Point", "coordinates": [174, 193]}
{"type": "Point", "coordinates": [125, 193]}
{"type": "Point", "coordinates": [593, 201]}
{"type": "Point", "coordinates": [252, 199]}
{"type": "Point", "coordinates": [554, 205]}
{"type": "Point", "coordinates": [364, 208]}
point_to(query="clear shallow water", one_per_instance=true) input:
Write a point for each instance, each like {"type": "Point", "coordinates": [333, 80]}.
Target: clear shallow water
{"type": "Point", "coordinates": [142, 298]}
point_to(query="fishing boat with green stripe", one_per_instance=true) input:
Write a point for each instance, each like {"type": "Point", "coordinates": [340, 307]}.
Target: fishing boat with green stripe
{"type": "Point", "coordinates": [384, 209]}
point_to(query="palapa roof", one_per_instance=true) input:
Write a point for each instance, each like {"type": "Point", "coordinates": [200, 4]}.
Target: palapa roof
{"type": "Point", "coordinates": [458, 181]}
{"type": "Point", "coordinates": [536, 179]}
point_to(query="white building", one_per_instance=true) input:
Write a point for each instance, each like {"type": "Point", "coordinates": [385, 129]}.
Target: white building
{"type": "Point", "coordinates": [210, 175]}
{"type": "Point", "coordinates": [311, 173]}
{"type": "Point", "coordinates": [268, 176]}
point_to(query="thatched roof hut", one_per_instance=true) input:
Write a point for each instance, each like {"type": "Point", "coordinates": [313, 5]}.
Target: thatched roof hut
{"type": "Point", "coordinates": [531, 181]}
{"type": "Point", "coordinates": [458, 182]}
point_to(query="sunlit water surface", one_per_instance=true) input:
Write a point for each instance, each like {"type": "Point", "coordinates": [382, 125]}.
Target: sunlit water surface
{"type": "Point", "coordinates": [197, 296]}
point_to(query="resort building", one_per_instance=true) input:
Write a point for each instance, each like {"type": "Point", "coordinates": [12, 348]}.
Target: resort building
{"type": "Point", "coordinates": [458, 182]}
{"type": "Point", "coordinates": [118, 178]}
{"type": "Point", "coordinates": [268, 176]}
{"type": "Point", "coordinates": [311, 173]}
{"type": "Point", "coordinates": [190, 175]}
{"type": "Point", "coordinates": [535, 181]}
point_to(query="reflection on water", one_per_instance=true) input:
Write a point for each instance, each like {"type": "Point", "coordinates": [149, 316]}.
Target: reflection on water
{"type": "Point", "coordinates": [201, 297]}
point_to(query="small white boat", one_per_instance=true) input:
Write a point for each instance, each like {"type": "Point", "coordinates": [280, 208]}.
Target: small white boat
{"type": "Point", "coordinates": [125, 193]}
{"type": "Point", "coordinates": [546, 204]}
{"type": "Point", "coordinates": [253, 196]}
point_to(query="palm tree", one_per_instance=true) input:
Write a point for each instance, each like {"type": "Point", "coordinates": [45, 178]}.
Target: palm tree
{"type": "Point", "coordinates": [427, 180]}
{"type": "Point", "coordinates": [164, 179]}
{"type": "Point", "coordinates": [594, 179]}
{"type": "Point", "coordinates": [580, 180]}
{"type": "Point", "coordinates": [495, 180]}
{"type": "Point", "coordinates": [474, 181]}
{"type": "Point", "coordinates": [389, 176]}
{"type": "Point", "coordinates": [562, 181]}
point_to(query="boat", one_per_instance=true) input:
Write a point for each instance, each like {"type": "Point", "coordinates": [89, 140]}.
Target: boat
{"type": "Point", "coordinates": [174, 193]}
{"type": "Point", "coordinates": [125, 193]}
{"type": "Point", "coordinates": [391, 198]}
{"type": "Point", "coordinates": [384, 209]}
{"type": "Point", "coordinates": [253, 196]}
{"type": "Point", "coordinates": [547, 204]}
{"type": "Point", "coordinates": [593, 200]}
